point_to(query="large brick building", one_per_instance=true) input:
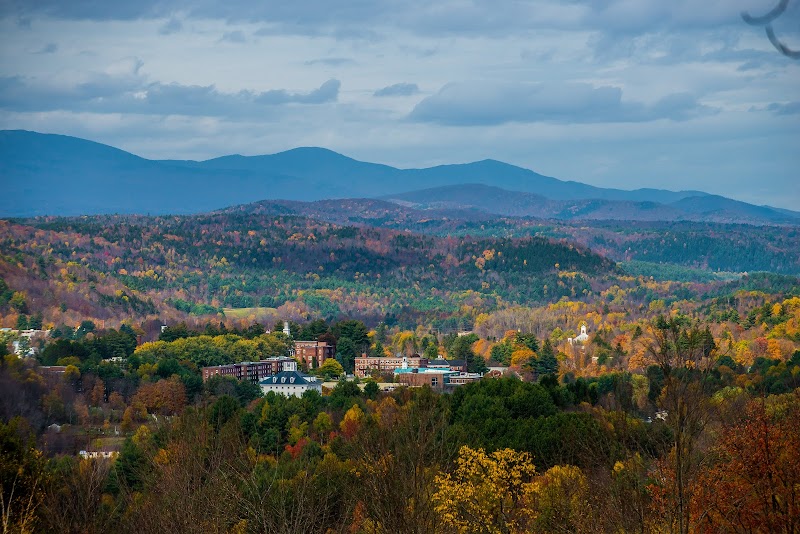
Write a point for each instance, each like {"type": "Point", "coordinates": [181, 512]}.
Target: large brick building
{"type": "Point", "coordinates": [367, 365]}
{"type": "Point", "coordinates": [312, 353]}
{"type": "Point", "coordinates": [253, 371]}
{"type": "Point", "coordinates": [437, 378]}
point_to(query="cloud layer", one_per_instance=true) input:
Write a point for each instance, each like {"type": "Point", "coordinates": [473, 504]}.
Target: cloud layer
{"type": "Point", "coordinates": [622, 93]}
{"type": "Point", "coordinates": [490, 103]}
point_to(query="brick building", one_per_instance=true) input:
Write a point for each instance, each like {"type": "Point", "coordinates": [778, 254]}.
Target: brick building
{"type": "Point", "coordinates": [312, 353]}
{"type": "Point", "coordinates": [437, 378]}
{"type": "Point", "coordinates": [253, 371]}
{"type": "Point", "coordinates": [367, 365]}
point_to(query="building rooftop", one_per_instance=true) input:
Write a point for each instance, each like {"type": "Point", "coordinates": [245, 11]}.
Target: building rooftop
{"type": "Point", "coordinates": [426, 370]}
{"type": "Point", "coordinates": [288, 378]}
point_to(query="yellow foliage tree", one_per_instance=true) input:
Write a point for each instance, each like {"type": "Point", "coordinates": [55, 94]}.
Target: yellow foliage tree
{"type": "Point", "coordinates": [487, 493]}
{"type": "Point", "coordinates": [559, 497]}
{"type": "Point", "coordinates": [521, 356]}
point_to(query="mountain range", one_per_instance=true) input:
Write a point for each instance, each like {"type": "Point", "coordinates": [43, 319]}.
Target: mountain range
{"type": "Point", "coordinates": [46, 174]}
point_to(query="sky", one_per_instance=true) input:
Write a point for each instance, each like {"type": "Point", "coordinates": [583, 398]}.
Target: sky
{"type": "Point", "coordinates": [678, 94]}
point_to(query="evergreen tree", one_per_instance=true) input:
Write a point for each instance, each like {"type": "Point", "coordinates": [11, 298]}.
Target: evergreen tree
{"type": "Point", "coordinates": [547, 364]}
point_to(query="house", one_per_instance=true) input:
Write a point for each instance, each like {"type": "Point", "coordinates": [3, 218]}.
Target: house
{"type": "Point", "coordinates": [366, 365]}
{"type": "Point", "coordinates": [290, 383]}
{"type": "Point", "coordinates": [312, 353]}
{"type": "Point", "coordinates": [496, 369]}
{"type": "Point", "coordinates": [253, 371]}
{"type": "Point", "coordinates": [104, 454]}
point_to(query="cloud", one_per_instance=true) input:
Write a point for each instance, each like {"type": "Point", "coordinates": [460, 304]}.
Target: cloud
{"type": "Point", "coordinates": [131, 93]}
{"type": "Point", "coordinates": [331, 61]}
{"type": "Point", "coordinates": [474, 17]}
{"type": "Point", "coordinates": [49, 48]}
{"type": "Point", "coordinates": [489, 103]}
{"type": "Point", "coordinates": [789, 108]}
{"type": "Point", "coordinates": [398, 89]}
{"type": "Point", "coordinates": [327, 92]}
{"type": "Point", "coordinates": [173, 25]}
{"type": "Point", "coordinates": [236, 36]}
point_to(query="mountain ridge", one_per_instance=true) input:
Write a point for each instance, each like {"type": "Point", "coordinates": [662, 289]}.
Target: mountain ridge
{"type": "Point", "coordinates": [49, 174]}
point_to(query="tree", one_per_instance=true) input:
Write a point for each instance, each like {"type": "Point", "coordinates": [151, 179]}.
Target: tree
{"type": "Point", "coordinates": [19, 302]}
{"type": "Point", "coordinates": [377, 350]}
{"type": "Point", "coordinates": [527, 340]}
{"type": "Point", "coordinates": [22, 477]}
{"type": "Point", "coordinates": [547, 364]}
{"type": "Point", "coordinates": [346, 353]}
{"type": "Point", "coordinates": [371, 389]}
{"type": "Point", "coordinates": [432, 351]}
{"type": "Point", "coordinates": [353, 330]}
{"type": "Point", "coordinates": [560, 498]}
{"type": "Point", "coordinates": [330, 368]}
{"type": "Point", "coordinates": [683, 356]}
{"type": "Point", "coordinates": [487, 492]}
{"type": "Point", "coordinates": [35, 321]}
{"type": "Point", "coordinates": [398, 453]}
{"type": "Point", "coordinates": [753, 486]}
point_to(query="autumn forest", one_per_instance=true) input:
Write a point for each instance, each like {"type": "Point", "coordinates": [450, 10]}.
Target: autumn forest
{"type": "Point", "coordinates": [679, 411]}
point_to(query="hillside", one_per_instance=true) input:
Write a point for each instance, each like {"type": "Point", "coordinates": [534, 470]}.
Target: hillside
{"type": "Point", "coordinates": [202, 264]}
{"type": "Point", "coordinates": [47, 174]}
{"type": "Point", "coordinates": [693, 244]}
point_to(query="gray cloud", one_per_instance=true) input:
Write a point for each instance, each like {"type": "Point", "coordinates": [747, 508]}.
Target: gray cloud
{"type": "Point", "coordinates": [456, 17]}
{"type": "Point", "coordinates": [488, 103]}
{"type": "Point", "coordinates": [236, 36]}
{"type": "Point", "coordinates": [789, 108]}
{"type": "Point", "coordinates": [108, 94]}
{"type": "Point", "coordinates": [173, 25]}
{"type": "Point", "coordinates": [331, 61]}
{"type": "Point", "coordinates": [49, 48]}
{"type": "Point", "coordinates": [327, 92]}
{"type": "Point", "coordinates": [398, 89]}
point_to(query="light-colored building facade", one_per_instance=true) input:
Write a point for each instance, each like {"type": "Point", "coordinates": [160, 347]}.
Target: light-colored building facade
{"type": "Point", "coordinates": [290, 383]}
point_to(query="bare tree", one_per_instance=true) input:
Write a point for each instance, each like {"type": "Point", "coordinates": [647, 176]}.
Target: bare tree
{"type": "Point", "coordinates": [685, 356]}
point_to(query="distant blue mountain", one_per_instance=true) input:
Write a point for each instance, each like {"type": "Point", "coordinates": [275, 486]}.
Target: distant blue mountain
{"type": "Point", "coordinates": [45, 174]}
{"type": "Point", "coordinates": [497, 201]}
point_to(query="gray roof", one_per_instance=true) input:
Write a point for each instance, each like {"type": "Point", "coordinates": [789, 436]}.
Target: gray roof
{"type": "Point", "coordinates": [287, 378]}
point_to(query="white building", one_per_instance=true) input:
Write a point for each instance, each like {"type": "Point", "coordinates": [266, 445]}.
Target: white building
{"type": "Point", "coordinates": [288, 383]}
{"type": "Point", "coordinates": [581, 338]}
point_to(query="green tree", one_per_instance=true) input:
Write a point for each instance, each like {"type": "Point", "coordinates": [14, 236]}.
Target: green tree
{"type": "Point", "coordinates": [547, 364]}
{"type": "Point", "coordinates": [432, 351]}
{"type": "Point", "coordinates": [330, 368]}
{"type": "Point", "coordinates": [346, 353]}
{"type": "Point", "coordinates": [371, 389]}
{"type": "Point", "coordinates": [19, 302]}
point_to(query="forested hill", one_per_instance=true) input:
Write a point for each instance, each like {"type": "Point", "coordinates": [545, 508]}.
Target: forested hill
{"type": "Point", "coordinates": [707, 246]}
{"type": "Point", "coordinates": [202, 264]}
